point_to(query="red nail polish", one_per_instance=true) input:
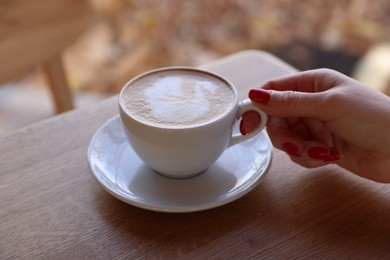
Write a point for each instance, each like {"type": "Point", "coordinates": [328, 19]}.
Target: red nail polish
{"type": "Point", "coordinates": [334, 155]}
{"type": "Point", "coordinates": [319, 153]}
{"type": "Point", "coordinates": [242, 130]}
{"type": "Point", "coordinates": [291, 149]}
{"type": "Point", "coordinates": [259, 95]}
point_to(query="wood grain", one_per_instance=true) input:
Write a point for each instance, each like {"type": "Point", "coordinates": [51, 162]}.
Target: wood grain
{"type": "Point", "coordinates": [51, 207]}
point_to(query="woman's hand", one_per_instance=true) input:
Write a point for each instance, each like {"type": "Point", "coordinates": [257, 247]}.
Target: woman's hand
{"type": "Point", "coordinates": [322, 116]}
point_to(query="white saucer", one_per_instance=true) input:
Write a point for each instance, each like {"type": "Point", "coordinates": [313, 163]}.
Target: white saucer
{"type": "Point", "coordinates": [122, 173]}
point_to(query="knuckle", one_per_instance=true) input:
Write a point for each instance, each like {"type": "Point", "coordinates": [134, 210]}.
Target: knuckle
{"type": "Point", "coordinates": [289, 98]}
{"type": "Point", "coordinates": [335, 97]}
{"type": "Point", "coordinates": [325, 71]}
{"type": "Point", "coordinates": [333, 102]}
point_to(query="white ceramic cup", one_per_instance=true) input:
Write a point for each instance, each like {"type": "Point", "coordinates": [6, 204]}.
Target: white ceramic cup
{"type": "Point", "coordinates": [186, 152]}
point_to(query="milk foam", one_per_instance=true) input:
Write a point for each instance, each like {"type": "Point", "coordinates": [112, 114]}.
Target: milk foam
{"type": "Point", "coordinates": [178, 98]}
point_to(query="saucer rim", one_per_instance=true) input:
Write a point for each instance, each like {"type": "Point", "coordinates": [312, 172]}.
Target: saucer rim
{"type": "Point", "coordinates": [115, 191]}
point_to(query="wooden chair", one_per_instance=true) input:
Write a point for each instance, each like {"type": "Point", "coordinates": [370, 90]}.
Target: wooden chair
{"type": "Point", "coordinates": [34, 34]}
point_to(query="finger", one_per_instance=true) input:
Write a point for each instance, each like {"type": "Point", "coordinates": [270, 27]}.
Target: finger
{"type": "Point", "coordinates": [308, 153]}
{"type": "Point", "coordinates": [317, 131]}
{"type": "Point", "coordinates": [283, 138]}
{"type": "Point", "coordinates": [308, 81]}
{"type": "Point", "coordinates": [297, 104]}
{"type": "Point", "coordinates": [249, 122]}
{"type": "Point", "coordinates": [314, 154]}
{"type": "Point", "coordinates": [317, 154]}
{"type": "Point", "coordinates": [299, 127]}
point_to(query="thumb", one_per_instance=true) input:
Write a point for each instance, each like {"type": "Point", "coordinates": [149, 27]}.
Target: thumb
{"type": "Point", "coordinates": [290, 103]}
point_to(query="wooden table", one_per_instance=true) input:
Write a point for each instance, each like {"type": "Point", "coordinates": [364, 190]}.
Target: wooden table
{"type": "Point", "coordinates": [52, 208]}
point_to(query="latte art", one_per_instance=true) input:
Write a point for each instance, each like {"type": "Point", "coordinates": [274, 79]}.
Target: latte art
{"type": "Point", "coordinates": [174, 99]}
{"type": "Point", "coordinates": [177, 98]}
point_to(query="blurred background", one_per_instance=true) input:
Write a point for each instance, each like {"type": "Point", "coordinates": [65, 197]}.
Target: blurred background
{"type": "Point", "coordinates": [123, 38]}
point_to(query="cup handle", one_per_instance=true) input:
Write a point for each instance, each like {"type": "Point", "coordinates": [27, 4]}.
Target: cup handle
{"type": "Point", "coordinates": [243, 107]}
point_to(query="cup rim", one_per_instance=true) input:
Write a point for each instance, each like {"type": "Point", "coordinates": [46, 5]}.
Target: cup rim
{"type": "Point", "coordinates": [181, 68]}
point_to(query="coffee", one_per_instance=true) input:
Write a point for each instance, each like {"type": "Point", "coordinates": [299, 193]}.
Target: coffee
{"type": "Point", "coordinates": [177, 98]}
{"type": "Point", "coordinates": [179, 120]}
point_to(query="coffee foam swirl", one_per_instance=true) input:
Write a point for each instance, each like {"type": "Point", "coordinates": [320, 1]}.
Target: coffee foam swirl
{"type": "Point", "coordinates": [177, 98]}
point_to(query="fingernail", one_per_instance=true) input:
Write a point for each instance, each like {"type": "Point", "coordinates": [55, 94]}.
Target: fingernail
{"type": "Point", "coordinates": [242, 130]}
{"type": "Point", "coordinates": [334, 155]}
{"type": "Point", "coordinates": [291, 149]}
{"type": "Point", "coordinates": [259, 95]}
{"type": "Point", "coordinates": [319, 153]}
